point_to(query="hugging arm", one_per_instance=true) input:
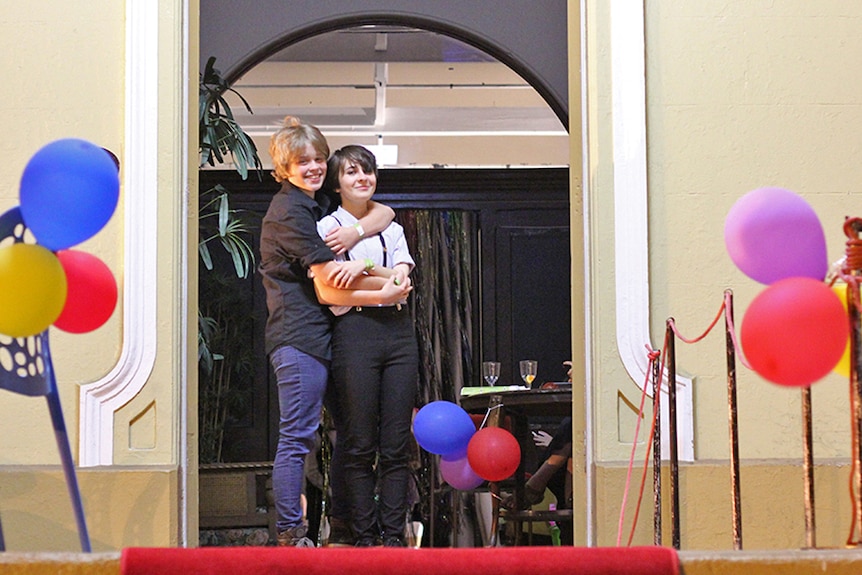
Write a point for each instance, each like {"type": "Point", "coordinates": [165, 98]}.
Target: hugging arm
{"type": "Point", "coordinates": [376, 220]}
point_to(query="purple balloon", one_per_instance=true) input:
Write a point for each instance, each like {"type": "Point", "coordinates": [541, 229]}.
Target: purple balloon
{"type": "Point", "coordinates": [773, 234]}
{"type": "Point", "coordinates": [459, 474]}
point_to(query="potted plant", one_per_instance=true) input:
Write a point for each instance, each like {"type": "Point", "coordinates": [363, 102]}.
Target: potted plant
{"type": "Point", "coordinates": [223, 355]}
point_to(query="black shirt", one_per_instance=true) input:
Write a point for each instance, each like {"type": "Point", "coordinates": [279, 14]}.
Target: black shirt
{"type": "Point", "coordinates": [289, 244]}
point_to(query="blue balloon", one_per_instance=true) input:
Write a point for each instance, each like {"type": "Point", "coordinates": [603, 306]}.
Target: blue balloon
{"type": "Point", "coordinates": [443, 427]}
{"type": "Point", "coordinates": [69, 191]}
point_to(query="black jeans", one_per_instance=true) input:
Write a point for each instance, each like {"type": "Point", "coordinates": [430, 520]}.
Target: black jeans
{"type": "Point", "coordinates": [375, 370]}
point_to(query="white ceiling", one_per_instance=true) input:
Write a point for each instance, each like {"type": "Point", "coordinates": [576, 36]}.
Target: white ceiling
{"type": "Point", "coordinates": [441, 101]}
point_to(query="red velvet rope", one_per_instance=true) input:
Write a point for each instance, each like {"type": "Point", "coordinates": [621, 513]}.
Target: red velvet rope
{"type": "Point", "coordinates": [850, 272]}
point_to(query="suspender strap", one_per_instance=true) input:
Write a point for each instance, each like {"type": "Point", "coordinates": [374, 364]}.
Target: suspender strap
{"type": "Point", "coordinates": [382, 244]}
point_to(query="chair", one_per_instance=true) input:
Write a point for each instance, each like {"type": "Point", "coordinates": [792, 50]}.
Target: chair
{"type": "Point", "coordinates": [516, 422]}
{"type": "Point", "coordinates": [26, 368]}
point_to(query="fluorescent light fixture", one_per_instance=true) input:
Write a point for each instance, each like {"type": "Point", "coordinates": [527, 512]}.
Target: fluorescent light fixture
{"type": "Point", "coordinates": [386, 154]}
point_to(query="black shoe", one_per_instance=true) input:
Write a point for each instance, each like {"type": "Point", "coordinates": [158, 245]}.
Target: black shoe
{"type": "Point", "coordinates": [365, 542]}
{"type": "Point", "coordinates": [531, 497]}
{"type": "Point", "coordinates": [340, 534]}
{"type": "Point", "coordinates": [393, 541]}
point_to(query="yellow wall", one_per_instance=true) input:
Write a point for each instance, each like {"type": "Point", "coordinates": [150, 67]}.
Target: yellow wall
{"type": "Point", "coordinates": [53, 92]}
{"type": "Point", "coordinates": [739, 95]}
{"type": "Point", "coordinates": [64, 67]}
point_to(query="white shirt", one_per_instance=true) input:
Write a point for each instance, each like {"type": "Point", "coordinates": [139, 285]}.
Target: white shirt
{"type": "Point", "coordinates": [369, 247]}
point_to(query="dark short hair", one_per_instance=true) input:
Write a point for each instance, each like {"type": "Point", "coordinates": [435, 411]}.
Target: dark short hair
{"type": "Point", "coordinates": [340, 159]}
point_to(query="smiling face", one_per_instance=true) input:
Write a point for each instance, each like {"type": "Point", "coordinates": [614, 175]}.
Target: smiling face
{"type": "Point", "coordinates": [356, 184]}
{"type": "Point", "coordinates": [307, 170]}
{"type": "Point", "coordinates": [353, 175]}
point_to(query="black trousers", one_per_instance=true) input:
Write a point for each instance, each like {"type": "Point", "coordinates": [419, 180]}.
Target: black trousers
{"type": "Point", "coordinates": [375, 363]}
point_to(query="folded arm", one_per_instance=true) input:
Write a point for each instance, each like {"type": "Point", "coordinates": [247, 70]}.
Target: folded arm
{"type": "Point", "coordinates": [365, 290]}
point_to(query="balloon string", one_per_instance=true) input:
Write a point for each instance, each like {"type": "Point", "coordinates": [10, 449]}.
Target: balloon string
{"type": "Point", "coordinates": [653, 355]}
{"type": "Point", "coordinates": [644, 470]}
{"type": "Point", "coordinates": [731, 328]}
{"type": "Point", "coordinates": [488, 413]}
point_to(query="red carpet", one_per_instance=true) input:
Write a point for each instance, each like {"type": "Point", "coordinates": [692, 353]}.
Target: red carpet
{"type": "Point", "coordinates": [386, 561]}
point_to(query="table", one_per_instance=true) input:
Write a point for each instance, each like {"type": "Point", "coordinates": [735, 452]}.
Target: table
{"type": "Point", "coordinates": [520, 405]}
{"type": "Point", "coordinates": [524, 402]}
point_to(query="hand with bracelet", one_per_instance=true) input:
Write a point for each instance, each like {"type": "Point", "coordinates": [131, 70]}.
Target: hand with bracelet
{"type": "Point", "coordinates": [343, 238]}
{"type": "Point", "coordinates": [401, 272]}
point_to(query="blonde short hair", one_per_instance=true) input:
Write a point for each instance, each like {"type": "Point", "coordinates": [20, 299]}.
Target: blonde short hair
{"type": "Point", "coordinates": [290, 141]}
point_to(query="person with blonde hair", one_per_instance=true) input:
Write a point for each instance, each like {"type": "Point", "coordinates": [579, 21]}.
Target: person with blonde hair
{"type": "Point", "coordinates": [298, 328]}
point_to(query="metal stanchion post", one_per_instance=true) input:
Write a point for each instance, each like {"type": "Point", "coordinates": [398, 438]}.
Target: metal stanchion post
{"type": "Point", "coordinates": [672, 436]}
{"type": "Point", "coordinates": [656, 446]}
{"type": "Point", "coordinates": [856, 393]}
{"type": "Point", "coordinates": [733, 428]}
{"type": "Point", "coordinates": [853, 267]}
{"type": "Point", "coordinates": [808, 467]}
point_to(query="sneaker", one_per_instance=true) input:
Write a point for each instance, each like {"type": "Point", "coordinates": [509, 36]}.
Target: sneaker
{"type": "Point", "coordinates": [340, 534]}
{"type": "Point", "coordinates": [294, 537]}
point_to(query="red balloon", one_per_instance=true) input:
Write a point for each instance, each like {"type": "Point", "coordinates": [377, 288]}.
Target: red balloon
{"type": "Point", "coordinates": [795, 331]}
{"type": "Point", "coordinates": [493, 453]}
{"type": "Point", "coordinates": [92, 294]}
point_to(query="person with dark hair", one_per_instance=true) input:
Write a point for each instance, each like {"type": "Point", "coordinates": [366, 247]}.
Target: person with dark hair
{"type": "Point", "coordinates": [298, 329]}
{"type": "Point", "coordinates": [375, 361]}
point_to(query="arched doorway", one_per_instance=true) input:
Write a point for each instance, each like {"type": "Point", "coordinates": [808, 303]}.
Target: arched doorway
{"type": "Point", "coordinates": [239, 41]}
{"type": "Point", "coordinates": [246, 67]}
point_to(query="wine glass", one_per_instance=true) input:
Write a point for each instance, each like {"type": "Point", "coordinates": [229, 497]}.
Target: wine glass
{"type": "Point", "coordinates": [528, 370]}
{"type": "Point", "coordinates": [491, 371]}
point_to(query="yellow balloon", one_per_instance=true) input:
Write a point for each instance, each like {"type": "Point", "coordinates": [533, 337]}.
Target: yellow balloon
{"type": "Point", "coordinates": [843, 366]}
{"type": "Point", "coordinates": [32, 289]}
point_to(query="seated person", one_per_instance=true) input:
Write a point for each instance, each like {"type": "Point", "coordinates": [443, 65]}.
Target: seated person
{"type": "Point", "coordinates": [555, 473]}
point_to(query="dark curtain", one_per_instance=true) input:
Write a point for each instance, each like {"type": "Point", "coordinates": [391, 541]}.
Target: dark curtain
{"type": "Point", "coordinates": [443, 244]}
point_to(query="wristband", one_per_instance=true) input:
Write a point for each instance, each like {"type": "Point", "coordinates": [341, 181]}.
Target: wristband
{"type": "Point", "coordinates": [369, 264]}
{"type": "Point", "coordinates": [359, 229]}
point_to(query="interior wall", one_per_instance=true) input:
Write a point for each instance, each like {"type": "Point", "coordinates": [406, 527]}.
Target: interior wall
{"type": "Point", "coordinates": [750, 96]}
{"type": "Point", "coordinates": [739, 96]}
{"type": "Point", "coordinates": [47, 97]}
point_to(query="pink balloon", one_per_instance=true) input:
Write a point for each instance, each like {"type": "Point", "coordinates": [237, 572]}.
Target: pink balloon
{"type": "Point", "coordinates": [795, 331]}
{"type": "Point", "coordinates": [772, 234]}
{"type": "Point", "coordinates": [459, 474]}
